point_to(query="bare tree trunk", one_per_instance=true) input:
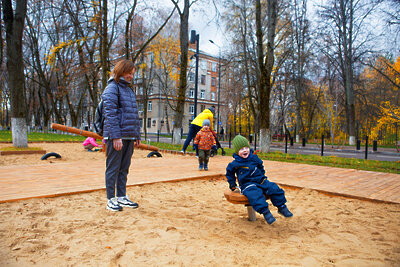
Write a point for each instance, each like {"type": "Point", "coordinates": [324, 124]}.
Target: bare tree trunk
{"type": "Point", "coordinates": [104, 45]}
{"type": "Point", "coordinates": [14, 23]}
{"type": "Point", "coordinates": [348, 69]}
{"type": "Point", "coordinates": [266, 68]}
{"type": "Point", "coordinates": [167, 119]}
{"type": "Point", "coordinates": [1, 46]}
{"type": "Point", "coordinates": [244, 36]}
{"type": "Point", "coordinates": [128, 30]}
{"type": "Point", "coordinates": [298, 119]}
{"type": "Point", "coordinates": [300, 34]}
{"type": "Point", "coordinates": [184, 44]}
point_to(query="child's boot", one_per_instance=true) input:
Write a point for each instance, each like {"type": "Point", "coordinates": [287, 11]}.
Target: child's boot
{"type": "Point", "coordinates": [284, 211]}
{"type": "Point", "coordinates": [269, 217]}
{"type": "Point", "coordinates": [200, 166]}
{"type": "Point", "coordinates": [205, 167]}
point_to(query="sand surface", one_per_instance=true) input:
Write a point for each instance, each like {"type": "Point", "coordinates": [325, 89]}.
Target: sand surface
{"type": "Point", "coordinates": [191, 224]}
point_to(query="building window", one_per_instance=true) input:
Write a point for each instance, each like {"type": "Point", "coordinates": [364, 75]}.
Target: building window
{"type": "Point", "coordinates": [150, 90]}
{"type": "Point", "coordinates": [214, 67]}
{"type": "Point", "coordinates": [213, 81]}
{"type": "Point", "coordinates": [149, 106]}
{"type": "Point", "coordinates": [213, 96]}
{"type": "Point", "coordinates": [203, 79]}
{"type": "Point", "coordinates": [203, 94]}
{"type": "Point", "coordinates": [140, 91]}
{"type": "Point", "coordinates": [148, 122]}
{"type": "Point", "coordinates": [202, 107]}
{"type": "Point", "coordinates": [141, 123]}
{"type": "Point", "coordinates": [140, 107]}
{"type": "Point", "coordinates": [203, 64]}
{"type": "Point", "coordinates": [191, 109]}
{"type": "Point", "coordinates": [191, 93]}
{"type": "Point", "coordinates": [191, 76]}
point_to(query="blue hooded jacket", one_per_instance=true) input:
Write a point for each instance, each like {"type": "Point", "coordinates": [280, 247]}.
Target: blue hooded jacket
{"type": "Point", "coordinates": [248, 171]}
{"type": "Point", "coordinates": [120, 111]}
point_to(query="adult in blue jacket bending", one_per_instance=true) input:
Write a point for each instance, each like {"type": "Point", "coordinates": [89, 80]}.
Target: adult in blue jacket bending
{"type": "Point", "coordinates": [121, 132]}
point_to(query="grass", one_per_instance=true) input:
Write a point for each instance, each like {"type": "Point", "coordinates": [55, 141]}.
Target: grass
{"type": "Point", "coordinates": [334, 161]}
{"type": "Point", "coordinates": [5, 136]}
{"type": "Point", "coordinates": [331, 161]}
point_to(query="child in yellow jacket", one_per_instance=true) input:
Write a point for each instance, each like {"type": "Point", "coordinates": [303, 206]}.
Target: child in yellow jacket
{"type": "Point", "coordinates": [197, 123]}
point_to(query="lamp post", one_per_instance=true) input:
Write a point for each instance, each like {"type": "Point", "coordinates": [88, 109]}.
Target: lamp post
{"type": "Point", "coordinates": [219, 82]}
{"type": "Point", "coordinates": [195, 38]}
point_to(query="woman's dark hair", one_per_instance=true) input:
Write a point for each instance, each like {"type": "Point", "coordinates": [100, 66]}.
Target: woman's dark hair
{"type": "Point", "coordinates": [121, 68]}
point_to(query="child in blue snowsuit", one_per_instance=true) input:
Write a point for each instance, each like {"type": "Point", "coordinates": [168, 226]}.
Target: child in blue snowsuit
{"type": "Point", "coordinates": [250, 173]}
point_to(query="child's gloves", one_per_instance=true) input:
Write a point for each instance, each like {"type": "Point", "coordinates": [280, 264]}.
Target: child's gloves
{"type": "Point", "coordinates": [214, 147]}
{"type": "Point", "coordinates": [232, 187]}
{"type": "Point", "coordinates": [195, 147]}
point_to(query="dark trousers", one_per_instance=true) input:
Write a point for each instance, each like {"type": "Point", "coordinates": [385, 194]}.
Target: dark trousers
{"type": "Point", "coordinates": [193, 130]}
{"type": "Point", "coordinates": [204, 156]}
{"type": "Point", "coordinates": [117, 167]}
{"type": "Point", "coordinates": [255, 193]}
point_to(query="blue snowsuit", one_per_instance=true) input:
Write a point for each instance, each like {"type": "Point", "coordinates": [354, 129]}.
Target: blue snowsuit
{"type": "Point", "coordinates": [254, 184]}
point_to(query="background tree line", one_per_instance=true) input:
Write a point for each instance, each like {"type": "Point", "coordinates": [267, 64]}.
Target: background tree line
{"type": "Point", "coordinates": [289, 66]}
{"type": "Point", "coordinates": [331, 75]}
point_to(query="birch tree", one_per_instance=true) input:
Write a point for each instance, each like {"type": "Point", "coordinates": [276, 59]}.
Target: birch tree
{"type": "Point", "coordinates": [184, 47]}
{"type": "Point", "coordinates": [265, 64]}
{"type": "Point", "coordinates": [15, 22]}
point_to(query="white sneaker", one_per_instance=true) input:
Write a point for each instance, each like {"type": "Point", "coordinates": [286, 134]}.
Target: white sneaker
{"type": "Point", "coordinates": [113, 205]}
{"type": "Point", "coordinates": [126, 202]}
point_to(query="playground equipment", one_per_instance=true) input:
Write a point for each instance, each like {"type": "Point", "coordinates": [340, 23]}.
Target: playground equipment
{"type": "Point", "coordinates": [51, 154]}
{"type": "Point", "coordinates": [235, 197]}
{"type": "Point", "coordinates": [77, 131]}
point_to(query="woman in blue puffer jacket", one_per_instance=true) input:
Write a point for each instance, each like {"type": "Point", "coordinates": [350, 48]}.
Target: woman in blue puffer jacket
{"type": "Point", "coordinates": [121, 132]}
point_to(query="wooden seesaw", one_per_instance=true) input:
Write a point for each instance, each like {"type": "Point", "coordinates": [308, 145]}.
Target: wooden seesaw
{"type": "Point", "coordinates": [77, 131]}
{"type": "Point", "coordinates": [235, 197]}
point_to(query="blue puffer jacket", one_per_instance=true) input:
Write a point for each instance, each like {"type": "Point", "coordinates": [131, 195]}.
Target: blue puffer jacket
{"type": "Point", "coordinates": [120, 111]}
{"type": "Point", "coordinates": [248, 171]}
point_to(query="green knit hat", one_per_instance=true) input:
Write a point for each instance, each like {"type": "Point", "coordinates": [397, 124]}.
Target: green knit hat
{"type": "Point", "coordinates": [238, 142]}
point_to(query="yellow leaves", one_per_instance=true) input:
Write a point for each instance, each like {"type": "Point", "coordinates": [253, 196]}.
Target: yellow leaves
{"type": "Point", "coordinates": [174, 76]}
{"type": "Point", "coordinates": [389, 115]}
{"type": "Point", "coordinates": [51, 57]}
{"type": "Point", "coordinates": [96, 19]}
{"type": "Point", "coordinates": [95, 3]}
{"type": "Point", "coordinates": [143, 65]}
{"type": "Point", "coordinates": [383, 72]}
{"type": "Point", "coordinates": [166, 53]}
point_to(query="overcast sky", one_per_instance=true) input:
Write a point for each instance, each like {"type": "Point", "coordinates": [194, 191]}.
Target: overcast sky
{"type": "Point", "coordinates": [202, 20]}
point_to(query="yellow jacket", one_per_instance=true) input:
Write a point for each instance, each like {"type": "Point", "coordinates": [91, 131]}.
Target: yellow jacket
{"type": "Point", "coordinates": [206, 114]}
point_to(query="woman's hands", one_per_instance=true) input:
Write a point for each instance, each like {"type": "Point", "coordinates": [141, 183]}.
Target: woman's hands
{"type": "Point", "coordinates": [137, 143]}
{"type": "Point", "coordinates": [117, 143]}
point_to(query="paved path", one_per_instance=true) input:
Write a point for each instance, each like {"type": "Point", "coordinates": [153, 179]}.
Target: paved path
{"type": "Point", "coordinates": [23, 182]}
